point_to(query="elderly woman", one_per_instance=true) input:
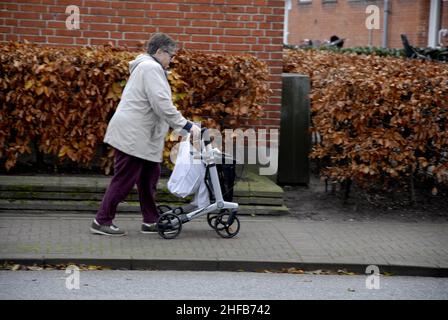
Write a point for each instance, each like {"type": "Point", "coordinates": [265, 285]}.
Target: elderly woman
{"type": "Point", "coordinates": [137, 132]}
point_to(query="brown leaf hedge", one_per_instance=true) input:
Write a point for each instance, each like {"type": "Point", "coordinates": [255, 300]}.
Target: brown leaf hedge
{"type": "Point", "coordinates": [61, 99]}
{"type": "Point", "coordinates": [381, 120]}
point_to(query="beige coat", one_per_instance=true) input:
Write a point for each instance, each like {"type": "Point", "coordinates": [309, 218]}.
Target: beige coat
{"type": "Point", "coordinates": [145, 112]}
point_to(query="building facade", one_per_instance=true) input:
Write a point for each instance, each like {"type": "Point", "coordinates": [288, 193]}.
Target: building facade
{"type": "Point", "coordinates": [321, 19]}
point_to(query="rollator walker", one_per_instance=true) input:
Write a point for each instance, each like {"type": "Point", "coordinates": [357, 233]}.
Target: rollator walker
{"type": "Point", "coordinates": [221, 214]}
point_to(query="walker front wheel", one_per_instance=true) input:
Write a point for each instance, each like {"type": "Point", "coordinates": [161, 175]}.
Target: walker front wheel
{"type": "Point", "coordinates": [227, 224]}
{"type": "Point", "coordinates": [169, 225]}
{"type": "Point", "coordinates": [211, 217]}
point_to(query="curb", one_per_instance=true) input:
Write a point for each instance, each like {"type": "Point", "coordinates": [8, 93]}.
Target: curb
{"type": "Point", "coordinates": [230, 265]}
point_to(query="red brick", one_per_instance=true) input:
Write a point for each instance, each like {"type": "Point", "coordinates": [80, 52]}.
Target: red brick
{"type": "Point", "coordinates": [252, 10]}
{"type": "Point", "coordinates": [136, 20]}
{"type": "Point", "coordinates": [162, 22]}
{"type": "Point", "coordinates": [204, 23]}
{"type": "Point", "coordinates": [102, 42]}
{"type": "Point", "coordinates": [165, 7]}
{"type": "Point", "coordinates": [171, 30]}
{"type": "Point", "coordinates": [47, 32]}
{"type": "Point", "coordinates": [118, 5]}
{"type": "Point", "coordinates": [230, 9]}
{"type": "Point", "coordinates": [64, 40]}
{"type": "Point", "coordinates": [184, 23]}
{"type": "Point", "coordinates": [275, 107]}
{"type": "Point", "coordinates": [103, 26]}
{"type": "Point", "coordinates": [116, 35]}
{"type": "Point", "coordinates": [130, 43]}
{"type": "Point", "coordinates": [238, 17]}
{"type": "Point", "coordinates": [257, 33]}
{"type": "Point", "coordinates": [258, 18]}
{"type": "Point", "coordinates": [197, 16]}
{"type": "Point", "coordinates": [228, 24]}
{"type": "Point", "coordinates": [277, 33]}
{"type": "Point", "coordinates": [26, 31]}
{"type": "Point", "coordinates": [197, 46]}
{"type": "Point", "coordinates": [97, 19]}
{"type": "Point", "coordinates": [150, 29]}
{"type": "Point", "coordinates": [237, 32]}
{"type": "Point", "coordinates": [217, 46]}
{"type": "Point", "coordinates": [184, 38]}
{"type": "Point", "coordinates": [276, 55]}
{"type": "Point", "coordinates": [11, 7]}
{"type": "Point", "coordinates": [66, 3]}
{"type": "Point", "coordinates": [81, 41]}
{"type": "Point", "coordinates": [32, 23]}
{"type": "Point", "coordinates": [166, 14]}
{"type": "Point", "coordinates": [95, 34]}
{"type": "Point", "coordinates": [185, 8]}
{"type": "Point", "coordinates": [197, 30]}
{"type": "Point", "coordinates": [277, 26]}
{"type": "Point", "coordinates": [204, 39]}
{"type": "Point", "coordinates": [268, 10]}
{"type": "Point", "coordinates": [256, 47]}
{"type": "Point", "coordinates": [116, 20]}
{"type": "Point", "coordinates": [201, 8]}
{"type": "Point", "coordinates": [132, 5]}
{"type": "Point", "coordinates": [135, 36]}
{"type": "Point", "coordinates": [218, 16]}
{"type": "Point", "coordinates": [99, 4]}
{"type": "Point", "coordinates": [236, 2]}
{"type": "Point", "coordinates": [251, 25]}
{"type": "Point", "coordinates": [67, 33]}
{"type": "Point", "coordinates": [11, 37]}
{"type": "Point", "coordinates": [237, 47]}
{"type": "Point", "coordinates": [278, 3]}
{"type": "Point", "coordinates": [26, 15]}
{"type": "Point", "coordinates": [217, 32]}
{"type": "Point", "coordinates": [56, 24]}
{"type": "Point", "coordinates": [57, 9]}
{"type": "Point", "coordinates": [231, 40]}
{"type": "Point", "coordinates": [33, 8]}
{"type": "Point", "coordinates": [33, 38]}
{"type": "Point", "coordinates": [130, 13]}
{"type": "Point", "coordinates": [102, 11]}
{"type": "Point", "coordinates": [5, 29]}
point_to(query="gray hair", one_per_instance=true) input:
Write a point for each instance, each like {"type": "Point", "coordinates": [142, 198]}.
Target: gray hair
{"type": "Point", "coordinates": [161, 41]}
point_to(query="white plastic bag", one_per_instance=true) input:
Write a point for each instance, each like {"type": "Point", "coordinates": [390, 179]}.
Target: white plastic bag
{"type": "Point", "coordinates": [187, 174]}
{"type": "Point", "coordinates": [201, 197]}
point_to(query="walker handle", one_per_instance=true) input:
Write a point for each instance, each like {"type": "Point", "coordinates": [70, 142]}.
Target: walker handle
{"type": "Point", "coordinates": [205, 136]}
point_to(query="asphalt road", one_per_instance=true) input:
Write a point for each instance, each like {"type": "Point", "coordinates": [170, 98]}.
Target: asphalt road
{"type": "Point", "coordinates": [177, 285]}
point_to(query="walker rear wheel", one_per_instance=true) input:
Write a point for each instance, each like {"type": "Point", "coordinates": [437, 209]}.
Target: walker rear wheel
{"type": "Point", "coordinates": [169, 225]}
{"type": "Point", "coordinates": [227, 224]}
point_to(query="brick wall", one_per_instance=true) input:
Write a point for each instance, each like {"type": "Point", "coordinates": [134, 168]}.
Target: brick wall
{"type": "Point", "coordinates": [319, 19]}
{"type": "Point", "coordinates": [231, 26]}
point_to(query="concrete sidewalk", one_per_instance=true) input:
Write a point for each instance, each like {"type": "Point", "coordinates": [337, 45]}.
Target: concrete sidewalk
{"type": "Point", "coordinates": [263, 243]}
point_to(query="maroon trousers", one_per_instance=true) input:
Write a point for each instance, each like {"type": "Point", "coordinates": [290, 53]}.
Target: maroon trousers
{"type": "Point", "coordinates": [128, 171]}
